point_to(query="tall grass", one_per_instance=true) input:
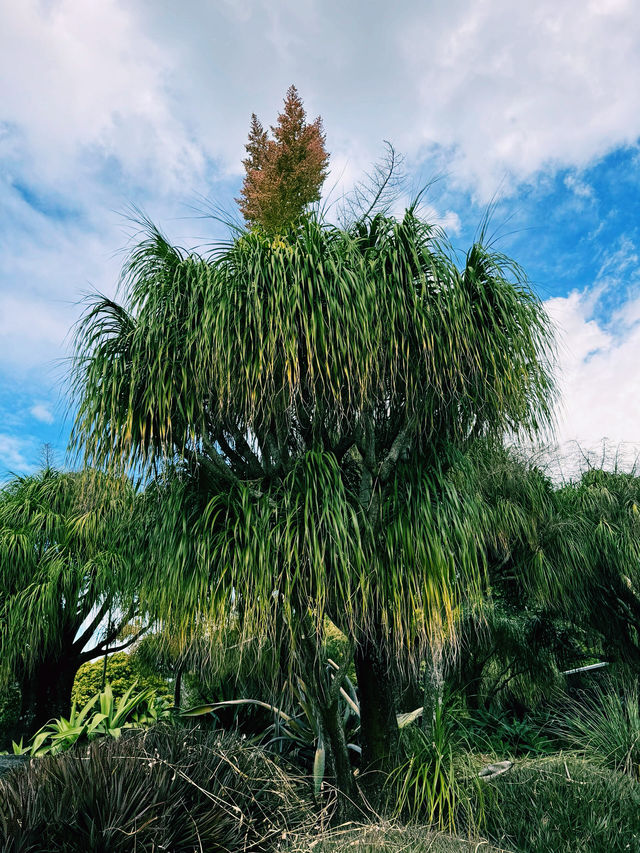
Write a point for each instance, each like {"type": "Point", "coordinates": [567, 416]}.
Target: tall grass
{"type": "Point", "coordinates": [562, 804]}
{"type": "Point", "coordinates": [605, 726]}
{"type": "Point", "coordinates": [436, 785]}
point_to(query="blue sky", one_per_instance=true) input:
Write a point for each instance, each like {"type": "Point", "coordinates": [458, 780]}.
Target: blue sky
{"type": "Point", "coordinates": [533, 107]}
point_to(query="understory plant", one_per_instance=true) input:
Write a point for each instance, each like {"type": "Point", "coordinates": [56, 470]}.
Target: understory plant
{"type": "Point", "coordinates": [101, 716]}
{"type": "Point", "coordinates": [562, 803]}
{"type": "Point", "coordinates": [168, 788]}
{"type": "Point", "coordinates": [605, 725]}
{"type": "Point", "coordinates": [435, 785]}
{"type": "Point", "coordinates": [122, 669]}
{"type": "Point", "coordinates": [296, 732]}
{"type": "Point", "coordinates": [498, 731]}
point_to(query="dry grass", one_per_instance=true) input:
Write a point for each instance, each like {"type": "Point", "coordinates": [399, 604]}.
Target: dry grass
{"type": "Point", "coordinates": [390, 838]}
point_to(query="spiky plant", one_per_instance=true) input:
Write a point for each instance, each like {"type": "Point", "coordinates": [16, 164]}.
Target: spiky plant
{"type": "Point", "coordinates": [318, 389]}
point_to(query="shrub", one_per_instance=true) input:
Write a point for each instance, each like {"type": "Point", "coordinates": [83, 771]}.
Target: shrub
{"type": "Point", "coordinates": [101, 716]}
{"type": "Point", "coordinates": [123, 671]}
{"type": "Point", "coordinates": [435, 785]}
{"type": "Point", "coordinates": [165, 789]}
{"type": "Point", "coordinates": [507, 735]}
{"type": "Point", "coordinates": [557, 804]}
{"type": "Point", "coordinates": [606, 726]}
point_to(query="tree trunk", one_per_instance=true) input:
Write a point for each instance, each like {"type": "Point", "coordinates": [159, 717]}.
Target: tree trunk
{"type": "Point", "coordinates": [339, 771]}
{"type": "Point", "coordinates": [378, 723]}
{"type": "Point", "coordinates": [323, 692]}
{"type": "Point", "coordinates": [47, 694]}
{"type": "Point", "coordinates": [177, 688]}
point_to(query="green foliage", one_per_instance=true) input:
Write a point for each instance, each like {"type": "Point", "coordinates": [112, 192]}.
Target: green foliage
{"type": "Point", "coordinates": [502, 733]}
{"type": "Point", "coordinates": [605, 725]}
{"type": "Point", "coordinates": [297, 733]}
{"type": "Point", "coordinates": [110, 718]}
{"type": "Point", "coordinates": [435, 785]}
{"type": "Point", "coordinates": [513, 644]}
{"type": "Point", "coordinates": [557, 804]}
{"type": "Point", "coordinates": [9, 711]}
{"type": "Point", "coordinates": [166, 789]}
{"type": "Point", "coordinates": [303, 406]}
{"type": "Point", "coordinates": [605, 594]}
{"type": "Point", "coordinates": [337, 647]}
{"type": "Point", "coordinates": [71, 553]}
{"type": "Point", "coordinates": [123, 670]}
{"type": "Point", "coordinates": [361, 324]}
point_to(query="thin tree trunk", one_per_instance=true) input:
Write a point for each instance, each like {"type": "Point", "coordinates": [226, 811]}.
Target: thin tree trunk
{"type": "Point", "coordinates": [324, 695]}
{"type": "Point", "coordinates": [338, 769]}
{"type": "Point", "coordinates": [177, 688]}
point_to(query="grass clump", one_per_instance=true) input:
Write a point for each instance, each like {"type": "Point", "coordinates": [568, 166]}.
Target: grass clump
{"type": "Point", "coordinates": [166, 789]}
{"type": "Point", "coordinates": [605, 725]}
{"type": "Point", "coordinates": [436, 784]}
{"type": "Point", "coordinates": [554, 804]}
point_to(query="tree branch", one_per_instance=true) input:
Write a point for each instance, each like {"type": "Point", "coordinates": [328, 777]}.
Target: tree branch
{"type": "Point", "coordinates": [400, 444]}
{"type": "Point", "coordinates": [103, 648]}
{"type": "Point", "coordinates": [79, 643]}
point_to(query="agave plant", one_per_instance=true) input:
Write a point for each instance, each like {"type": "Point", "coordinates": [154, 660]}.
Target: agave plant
{"type": "Point", "coordinates": [132, 710]}
{"type": "Point", "coordinates": [299, 735]}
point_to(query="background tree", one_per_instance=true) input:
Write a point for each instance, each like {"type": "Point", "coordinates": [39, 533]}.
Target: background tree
{"type": "Point", "coordinates": [605, 594]}
{"type": "Point", "coordinates": [123, 670]}
{"type": "Point", "coordinates": [70, 558]}
{"type": "Point", "coordinates": [284, 175]}
{"type": "Point", "coordinates": [514, 643]}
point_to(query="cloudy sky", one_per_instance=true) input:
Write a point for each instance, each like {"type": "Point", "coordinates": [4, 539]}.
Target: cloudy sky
{"type": "Point", "coordinates": [533, 108]}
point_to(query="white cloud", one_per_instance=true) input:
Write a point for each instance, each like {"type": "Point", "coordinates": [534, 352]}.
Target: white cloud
{"type": "Point", "coordinates": [41, 412]}
{"type": "Point", "coordinates": [12, 453]}
{"type": "Point", "coordinates": [578, 187]}
{"type": "Point", "coordinates": [32, 332]}
{"type": "Point", "coordinates": [599, 379]}
{"type": "Point", "coordinates": [88, 85]}
{"type": "Point", "coordinates": [111, 102]}
{"type": "Point", "coordinates": [488, 89]}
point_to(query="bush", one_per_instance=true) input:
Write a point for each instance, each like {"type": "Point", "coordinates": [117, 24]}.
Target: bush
{"type": "Point", "coordinates": [606, 726]}
{"type": "Point", "coordinates": [122, 672]}
{"type": "Point", "coordinates": [165, 789]}
{"type": "Point", "coordinates": [102, 716]}
{"type": "Point", "coordinates": [569, 805]}
{"type": "Point", "coordinates": [504, 734]}
{"type": "Point", "coordinates": [435, 784]}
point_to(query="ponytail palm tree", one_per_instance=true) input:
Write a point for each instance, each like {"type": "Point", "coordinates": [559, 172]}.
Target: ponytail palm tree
{"type": "Point", "coordinates": [605, 595]}
{"type": "Point", "coordinates": [318, 388]}
{"type": "Point", "coordinates": [70, 558]}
